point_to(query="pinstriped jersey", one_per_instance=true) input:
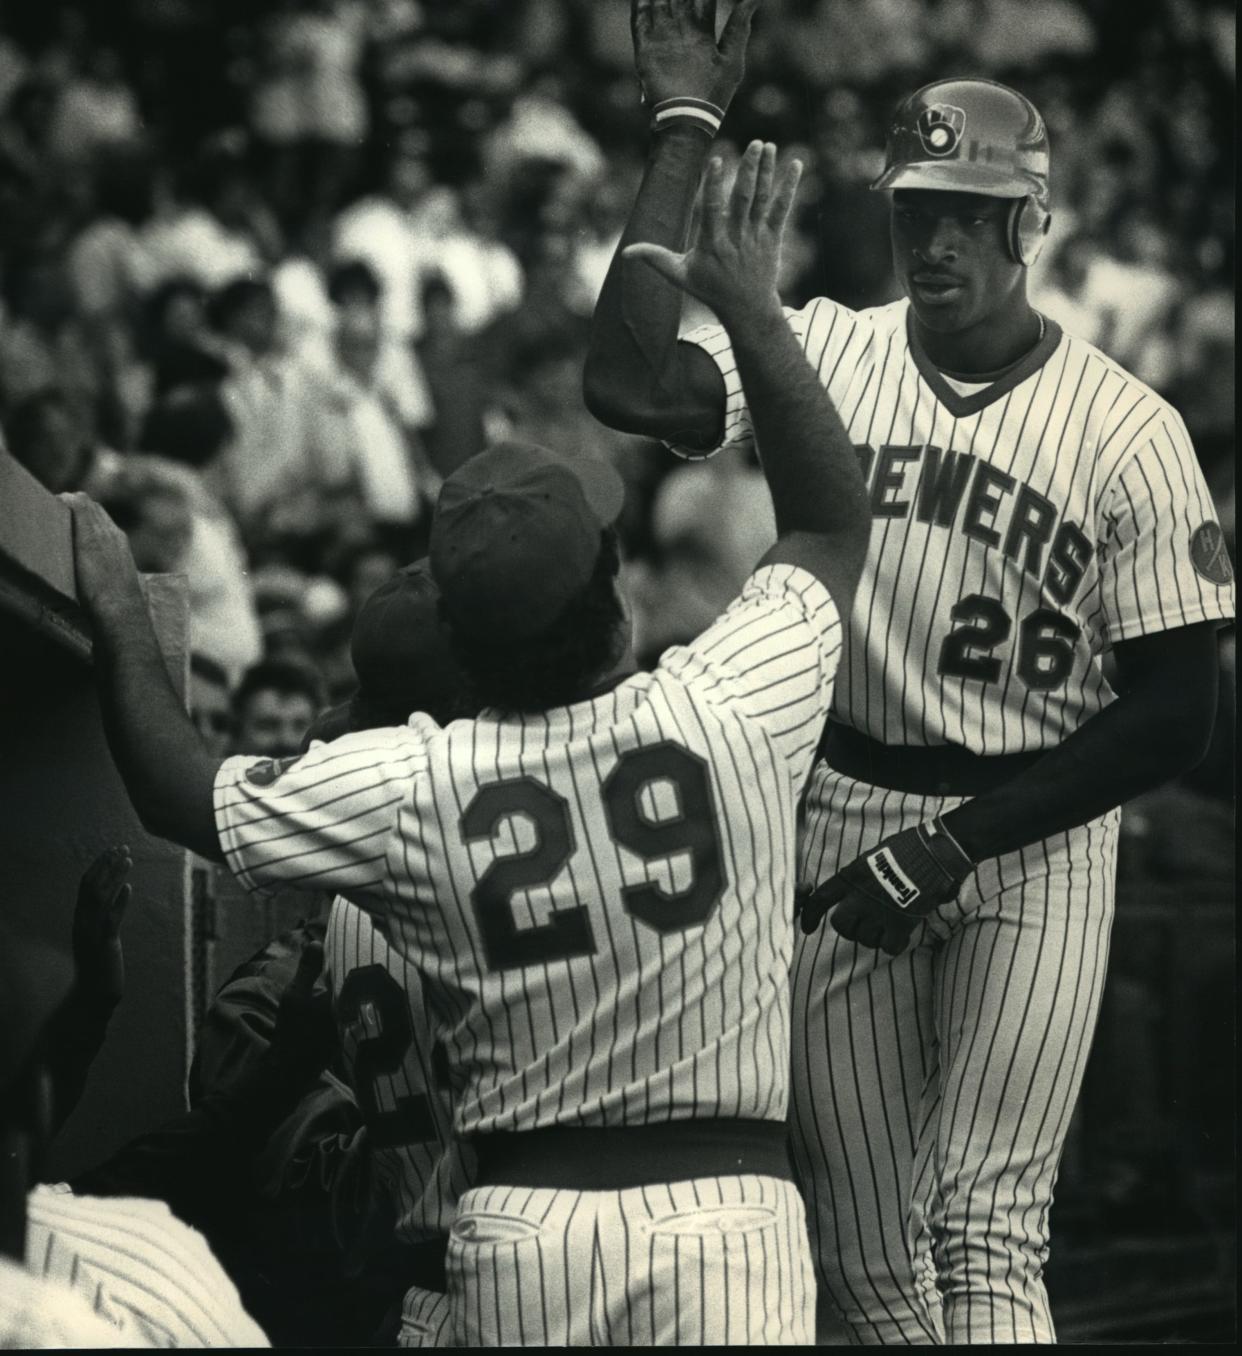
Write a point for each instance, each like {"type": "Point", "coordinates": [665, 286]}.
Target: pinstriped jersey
{"type": "Point", "coordinates": [396, 1071]}
{"type": "Point", "coordinates": [1020, 529]}
{"type": "Point", "coordinates": [142, 1269]}
{"type": "Point", "coordinates": [599, 896]}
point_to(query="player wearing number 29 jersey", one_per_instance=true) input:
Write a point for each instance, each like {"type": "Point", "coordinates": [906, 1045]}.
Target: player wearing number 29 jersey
{"type": "Point", "coordinates": [594, 875]}
{"type": "Point", "coordinates": [598, 896]}
{"type": "Point", "coordinates": [648, 832]}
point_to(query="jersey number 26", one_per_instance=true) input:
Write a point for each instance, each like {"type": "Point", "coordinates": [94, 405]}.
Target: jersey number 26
{"type": "Point", "coordinates": [568, 932]}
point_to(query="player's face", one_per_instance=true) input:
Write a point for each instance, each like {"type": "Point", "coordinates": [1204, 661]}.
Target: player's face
{"type": "Point", "coordinates": [950, 257]}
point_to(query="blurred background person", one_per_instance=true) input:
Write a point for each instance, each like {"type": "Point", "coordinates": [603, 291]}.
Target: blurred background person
{"type": "Point", "coordinates": [273, 707]}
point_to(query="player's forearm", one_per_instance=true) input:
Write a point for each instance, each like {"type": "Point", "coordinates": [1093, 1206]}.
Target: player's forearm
{"type": "Point", "coordinates": [76, 1034]}
{"type": "Point", "coordinates": [168, 774]}
{"type": "Point", "coordinates": [631, 377]}
{"type": "Point", "coordinates": [811, 467]}
{"type": "Point", "coordinates": [1139, 742]}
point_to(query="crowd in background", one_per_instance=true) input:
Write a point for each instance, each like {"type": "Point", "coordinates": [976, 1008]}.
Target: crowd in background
{"type": "Point", "coordinates": [271, 269]}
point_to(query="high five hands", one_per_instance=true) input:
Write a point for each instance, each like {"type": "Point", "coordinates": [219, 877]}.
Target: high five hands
{"type": "Point", "coordinates": [676, 51]}
{"type": "Point", "coordinates": [732, 267]}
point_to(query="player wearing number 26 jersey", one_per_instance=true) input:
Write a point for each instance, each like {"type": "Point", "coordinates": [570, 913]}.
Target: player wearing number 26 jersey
{"type": "Point", "coordinates": [1034, 507]}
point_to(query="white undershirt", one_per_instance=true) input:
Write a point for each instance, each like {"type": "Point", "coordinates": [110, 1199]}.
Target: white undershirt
{"type": "Point", "coordinates": [966, 388]}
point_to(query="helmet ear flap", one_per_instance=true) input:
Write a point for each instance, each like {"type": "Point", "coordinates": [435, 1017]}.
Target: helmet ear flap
{"type": "Point", "coordinates": [1027, 230]}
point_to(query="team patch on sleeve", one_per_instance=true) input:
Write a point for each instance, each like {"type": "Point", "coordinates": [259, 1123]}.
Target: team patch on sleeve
{"type": "Point", "coordinates": [267, 770]}
{"type": "Point", "coordinates": [1207, 550]}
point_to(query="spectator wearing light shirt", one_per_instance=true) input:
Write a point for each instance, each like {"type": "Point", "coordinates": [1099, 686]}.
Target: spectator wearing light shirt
{"type": "Point", "coordinates": [393, 232]}
{"type": "Point", "coordinates": [374, 402]}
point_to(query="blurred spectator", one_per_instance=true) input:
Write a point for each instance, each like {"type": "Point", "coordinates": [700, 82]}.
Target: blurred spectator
{"type": "Point", "coordinates": [712, 520]}
{"type": "Point", "coordinates": [174, 338]}
{"type": "Point", "coordinates": [307, 105]}
{"type": "Point", "coordinates": [210, 705]}
{"type": "Point", "coordinates": [392, 232]}
{"type": "Point", "coordinates": [273, 708]}
{"type": "Point", "coordinates": [44, 343]}
{"type": "Point", "coordinates": [1005, 36]}
{"type": "Point", "coordinates": [277, 462]}
{"type": "Point", "coordinates": [213, 227]}
{"type": "Point", "coordinates": [107, 262]}
{"type": "Point", "coordinates": [373, 402]}
{"type": "Point", "coordinates": [48, 440]}
{"type": "Point", "coordinates": [175, 524]}
{"type": "Point", "coordinates": [482, 271]}
{"type": "Point", "coordinates": [1136, 286]}
{"type": "Point", "coordinates": [1064, 295]}
{"type": "Point", "coordinates": [454, 371]}
{"type": "Point", "coordinates": [95, 109]}
{"type": "Point", "coordinates": [823, 43]}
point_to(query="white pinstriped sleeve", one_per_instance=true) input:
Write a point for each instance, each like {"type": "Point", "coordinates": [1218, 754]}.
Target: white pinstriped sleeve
{"type": "Point", "coordinates": [325, 821]}
{"type": "Point", "coordinates": [771, 657]}
{"type": "Point", "coordinates": [1163, 562]}
{"type": "Point", "coordinates": [823, 328]}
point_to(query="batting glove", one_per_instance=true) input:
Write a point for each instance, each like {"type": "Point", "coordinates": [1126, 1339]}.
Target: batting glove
{"type": "Point", "coordinates": [879, 899]}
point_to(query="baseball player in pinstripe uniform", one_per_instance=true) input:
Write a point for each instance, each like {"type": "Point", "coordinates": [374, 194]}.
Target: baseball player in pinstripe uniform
{"type": "Point", "coordinates": [595, 876]}
{"type": "Point", "coordinates": [1034, 508]}
{"type": "Point", "coordinates": [404, 663]}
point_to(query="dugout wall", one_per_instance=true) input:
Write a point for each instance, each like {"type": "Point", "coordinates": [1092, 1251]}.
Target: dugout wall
{"type": "Point", "coordinates": [62, 802]}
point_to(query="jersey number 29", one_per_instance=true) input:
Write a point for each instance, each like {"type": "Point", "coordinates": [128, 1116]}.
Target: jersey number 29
{"type": "Point", "coordinates": [568, 933]}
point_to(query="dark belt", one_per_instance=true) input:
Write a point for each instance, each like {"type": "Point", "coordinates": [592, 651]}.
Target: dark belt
{"type": "Point", "coordinates": [424, 1264]}
{"type": "Point", "coordinates": [616, 1158]}
{"type": "Point", "coordinates": [934, 770]}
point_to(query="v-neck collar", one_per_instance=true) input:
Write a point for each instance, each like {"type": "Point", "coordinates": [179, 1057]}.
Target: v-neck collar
{"type": "Point", "coordinates": [960, 406]}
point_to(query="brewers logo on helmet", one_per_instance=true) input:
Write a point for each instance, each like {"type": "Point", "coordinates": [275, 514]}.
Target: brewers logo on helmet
{"type": "Point", "coordinates": [940, 128]}
{"type": "Point", "coordinates": [975, 136]}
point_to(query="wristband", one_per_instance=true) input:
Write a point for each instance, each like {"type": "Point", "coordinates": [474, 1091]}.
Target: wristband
{"type": "Point", "coordinates": [706, 115]}
{"type": "Point", "coordinates": [939, 825]}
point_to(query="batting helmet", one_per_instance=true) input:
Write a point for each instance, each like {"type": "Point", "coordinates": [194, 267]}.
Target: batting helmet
{"type": "Point", "coordinates": [975, 136]}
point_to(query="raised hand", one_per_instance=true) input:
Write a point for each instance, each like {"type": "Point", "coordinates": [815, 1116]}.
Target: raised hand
{"type": "Point", "coordinates": [102, 561]}
{"type": "Point", "coordinates": [304, 1039]}
{"type": "Point", "coordinates": [103, 895]}
{"type": "Point", "coordinates": [676, 51]}
{"type": "Point", "coordinates": [733, 265]}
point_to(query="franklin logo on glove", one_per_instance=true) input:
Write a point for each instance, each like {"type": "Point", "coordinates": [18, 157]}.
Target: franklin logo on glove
{"type": "Point", "coordinates": [879, 899]}
{"type": "Point", "coordinates": [897, 885]}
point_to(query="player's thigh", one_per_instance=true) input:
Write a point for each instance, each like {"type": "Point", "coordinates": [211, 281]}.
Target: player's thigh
{"type": "Point", "coordinates": [861, 1021]}
{"type": "Point", "coordinates": [519, 1267]}
{"type": "Point", "coordinates": [1018, 988]}
{"type": "Point", "coordinates": [717, 1260]}
{"type": "Point", "coordinates": [425, 1319]}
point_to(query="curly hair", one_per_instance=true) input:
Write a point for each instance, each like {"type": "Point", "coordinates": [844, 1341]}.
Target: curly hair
{"type": "Point", "coordinates": [561, 665]}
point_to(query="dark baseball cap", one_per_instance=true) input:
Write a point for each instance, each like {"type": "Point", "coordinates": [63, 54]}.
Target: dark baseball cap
{"type": "Point", "coordinates": [516, 536]}
{"type": "Point", "coordinates": [401, 652]}
{"type": "Point", "coordinates": [35, 979]}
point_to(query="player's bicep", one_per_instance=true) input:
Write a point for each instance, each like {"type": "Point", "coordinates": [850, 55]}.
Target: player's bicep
{"type": "Point", "coordinates": [325, 820]}
{"type": "Point", "coordinates": [700, 401]}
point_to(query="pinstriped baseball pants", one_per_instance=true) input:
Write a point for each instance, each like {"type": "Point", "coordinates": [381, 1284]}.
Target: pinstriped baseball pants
{"type": "Point", "coordinates": [932, 1091]}
{"type": "Point", "coordinates": [425, 1319]}
{"type": "Point", "coordinates": [719, 1260]}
